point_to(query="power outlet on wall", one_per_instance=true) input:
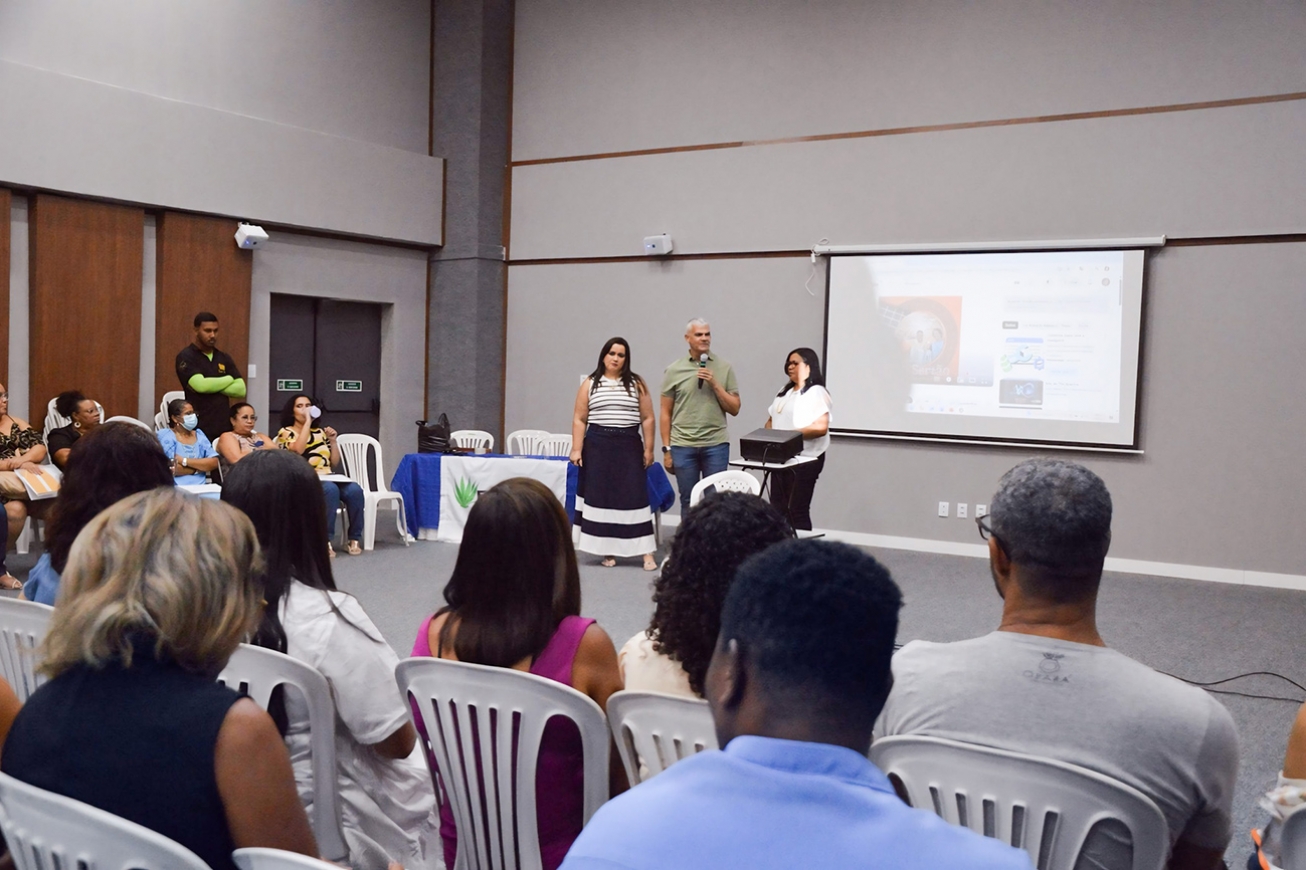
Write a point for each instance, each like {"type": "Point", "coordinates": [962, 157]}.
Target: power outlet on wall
{"type": "Point", "coordinates": [961, 510]}
{"type": "Point", "coordinates": [943, 508]}
{"type": "Point", "coordinates": [981, 510]}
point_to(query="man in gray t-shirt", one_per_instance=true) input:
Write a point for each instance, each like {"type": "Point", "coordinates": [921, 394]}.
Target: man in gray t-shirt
{"type": "Point", "coordinates": [1045, 683]}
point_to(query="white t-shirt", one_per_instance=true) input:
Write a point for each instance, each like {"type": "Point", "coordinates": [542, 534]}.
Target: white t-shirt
{"type": "Point", "coordinates": [1085, 705]}
{"type": "Point", "coordinates": [644, 669]}
{"type": "Point", "coordinates": [389, 802]}
{"type": "Point", "coordinates": [796, 410]}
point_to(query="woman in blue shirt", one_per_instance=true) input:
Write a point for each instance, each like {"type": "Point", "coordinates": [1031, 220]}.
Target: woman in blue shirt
{"type": "Point", "coordinates": [189, 450]}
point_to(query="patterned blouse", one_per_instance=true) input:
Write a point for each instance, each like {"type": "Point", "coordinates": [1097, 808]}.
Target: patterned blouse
{"type": "Point", "coordinates": [19, 441]}
{"type": "Point", "coordinates": [318, 451]}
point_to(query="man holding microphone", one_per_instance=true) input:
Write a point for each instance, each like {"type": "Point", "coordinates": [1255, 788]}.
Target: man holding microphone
{"type": "Point", "coordinates": [698, 390]}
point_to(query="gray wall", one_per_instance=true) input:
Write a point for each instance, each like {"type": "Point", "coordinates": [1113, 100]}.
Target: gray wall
{"type": "Point", "coordinates": [303, 114]}
{"type": "Point", "coordinates": [1216, 488]}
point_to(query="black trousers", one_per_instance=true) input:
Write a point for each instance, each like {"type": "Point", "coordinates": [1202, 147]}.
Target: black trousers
{"type": "Point", "coordinates": [791, 492]}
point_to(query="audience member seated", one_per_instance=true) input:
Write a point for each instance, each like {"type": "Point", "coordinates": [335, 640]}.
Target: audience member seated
{"type": "Point", "coordinates": [188, 449]}
{"type": "Point", "coordinates": [85, 416]}
{"type": "Point", "coordinates": [514, 602]}
{"type": "Point", "coordinates": [714, 537]}
{"type": "Point", "coordinates": [21, 446]}
{"type": "Point", "coordinates": [1045, 683]}
{"type": "Point", "coordinates": [159, 591]}
{"type": "Point", "coordinates": [799, 673]}
{"type": "Point", "coordinates": [104, 466]}
{"type": "Point", "coordinates": [386, 798]}
{"type": "Point", "coordinates": [9, 707]}
{"type": "Point", "coordinates": [242, 439]}
{"type": "Point", "coordinates": [1287, 797]}
{"type": "Point", "coordinates": [318, 445]}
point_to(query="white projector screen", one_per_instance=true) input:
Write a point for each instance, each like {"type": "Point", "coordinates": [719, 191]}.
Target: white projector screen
{"type": "Point", "coordinates": [1030, 347]}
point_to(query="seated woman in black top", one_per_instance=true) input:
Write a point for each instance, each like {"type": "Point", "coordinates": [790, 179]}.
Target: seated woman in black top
{"type": "Point", "coordinates": [159, 590]}
{"type": "Point", "coordinates": [85, 415]}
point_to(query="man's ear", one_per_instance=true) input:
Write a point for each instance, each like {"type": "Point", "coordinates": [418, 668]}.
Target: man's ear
{"type": "Point", "coordinates": [999, 561]}
{"type": "Point", "coordinates": [731, 680]}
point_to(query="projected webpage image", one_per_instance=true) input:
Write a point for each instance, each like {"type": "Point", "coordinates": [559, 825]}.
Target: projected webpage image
{"type": "Point", "coordinates": [1023, 346]}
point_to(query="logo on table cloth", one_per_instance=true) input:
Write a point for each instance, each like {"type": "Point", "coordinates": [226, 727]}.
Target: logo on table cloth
{"type": "Point", "coordinates": [1048, 670]}
{"type": "Point", "coordinates": [465, 493]}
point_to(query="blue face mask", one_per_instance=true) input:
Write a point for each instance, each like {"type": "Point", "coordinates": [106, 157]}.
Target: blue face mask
{"type": "Point", "coordinates": [190, 421]}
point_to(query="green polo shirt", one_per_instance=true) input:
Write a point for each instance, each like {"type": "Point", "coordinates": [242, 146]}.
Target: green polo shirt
{"type": "Point", "coordinates": [696, 417]}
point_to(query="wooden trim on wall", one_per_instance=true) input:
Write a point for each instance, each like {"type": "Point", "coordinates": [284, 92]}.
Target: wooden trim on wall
{"type": "Point", "coordinates": [929, 128]}
{"type": "Point", "coordinates": [6, 229]}
{"type": "Point", "coordinates": [199, 268]}
{"type": "Point", "coordinates": [86, 267]}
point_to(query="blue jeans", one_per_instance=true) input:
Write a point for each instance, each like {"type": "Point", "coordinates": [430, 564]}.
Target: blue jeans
{"type": "Point", "coordinates": [695, 463]}
{"type": "Point", "coordinates": [352, 495]}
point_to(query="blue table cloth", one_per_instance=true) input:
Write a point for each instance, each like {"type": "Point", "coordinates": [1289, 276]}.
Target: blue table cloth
{"type": "Point", "coordinates": [417, 479]}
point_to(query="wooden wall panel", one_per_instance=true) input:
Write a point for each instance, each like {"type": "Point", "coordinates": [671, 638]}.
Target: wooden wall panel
{"type": "Point", "coordinates": [85, 306]}
{"type": "Point", "coordinates": [199, 269]}
{"type": "Point", "coordinates": [5, 230]}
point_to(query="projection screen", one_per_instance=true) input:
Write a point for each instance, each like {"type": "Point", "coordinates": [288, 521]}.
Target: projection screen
{"type": "Point", "coordinates": [1011, 347]}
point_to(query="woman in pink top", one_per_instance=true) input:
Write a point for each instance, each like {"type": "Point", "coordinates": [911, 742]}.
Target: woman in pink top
{"type": "Point", "coordinates": [514, 602]}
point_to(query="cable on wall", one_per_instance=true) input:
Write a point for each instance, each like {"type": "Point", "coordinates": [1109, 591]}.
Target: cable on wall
{"type": "Point", "coordinates": [807, 285]}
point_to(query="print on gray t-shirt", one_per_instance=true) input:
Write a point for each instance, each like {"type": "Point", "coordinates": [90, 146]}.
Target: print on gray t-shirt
{"type": "Point", "coordinates": [1081, 704]}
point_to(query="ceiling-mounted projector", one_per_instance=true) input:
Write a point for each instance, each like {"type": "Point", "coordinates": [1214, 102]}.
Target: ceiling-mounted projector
{"type": "Point", "coordinates": [250, 236]}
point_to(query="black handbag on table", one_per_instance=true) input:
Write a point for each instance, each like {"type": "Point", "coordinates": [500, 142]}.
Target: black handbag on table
{"type": "Point", "coordinates": [434, 437]}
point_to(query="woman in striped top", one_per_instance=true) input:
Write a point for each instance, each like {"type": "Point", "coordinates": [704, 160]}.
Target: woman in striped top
{"type": "Point", "coordinates": [612, 442]}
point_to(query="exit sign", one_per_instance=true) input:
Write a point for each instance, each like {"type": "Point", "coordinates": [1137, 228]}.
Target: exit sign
{"type": "Point", "coordinates": [349, 386]}
{"type": "Point", "coordinates": [288, 385]}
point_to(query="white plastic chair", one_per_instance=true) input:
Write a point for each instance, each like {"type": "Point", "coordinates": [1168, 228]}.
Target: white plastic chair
{"type": "Point", "coordinates": [257, 672]}
{"type": "Point", "coordinates": [464, 706]}
{"type": "Point", "coordinates": [122, 418]}
{"type": "Point", "coordinates": [653, 731]}
{"type": "Point", "coordinates": [353, 448]}
{"type": "Point", "coordinates": [556, 445]}
{"type": "Point", "coordinates": [732, 480]}
{"type": "Point", "coordinates": [22, 628]}
{"type": "Point", "coordinates": [1292, 841]}
{"type": "Point", "coordinates": [526, 442]}
{"type": "Point", "coordinates": [256, 858]}
{"type": "Point", "coordinates": [45, 830]}
{"type": "Point", "coordinates": [472, 439]}
{"type": "Point", "coordinates": [1043, 806]}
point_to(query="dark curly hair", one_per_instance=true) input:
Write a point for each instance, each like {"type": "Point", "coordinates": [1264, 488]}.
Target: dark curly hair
{"type": "Point", "coordinates": [714, 537]}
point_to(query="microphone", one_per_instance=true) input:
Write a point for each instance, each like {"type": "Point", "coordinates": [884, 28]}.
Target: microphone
{"type": "Point", "coordinates": [702, 364]}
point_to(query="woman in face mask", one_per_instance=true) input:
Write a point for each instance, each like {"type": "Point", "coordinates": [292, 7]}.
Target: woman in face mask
{"type": "Point", "coordinates": [189, 450]}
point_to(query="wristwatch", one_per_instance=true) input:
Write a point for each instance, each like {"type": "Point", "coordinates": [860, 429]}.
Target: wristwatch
{"type": "Point", "coordinates": [184, 463]}
{"type": "Point", "coordinates": [665, 449]}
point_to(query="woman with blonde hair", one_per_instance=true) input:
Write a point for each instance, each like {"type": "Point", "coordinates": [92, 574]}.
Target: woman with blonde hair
{"type": "Point", "coordinates": [158, 592]}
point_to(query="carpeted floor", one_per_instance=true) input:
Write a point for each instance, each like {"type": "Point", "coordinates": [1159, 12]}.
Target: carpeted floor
{"type": "Point", "coordinates": [1196, 630]}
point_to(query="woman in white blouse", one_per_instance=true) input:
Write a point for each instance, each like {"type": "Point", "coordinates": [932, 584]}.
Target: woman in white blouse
{"type": "Point", "coordinates": [802, 405]}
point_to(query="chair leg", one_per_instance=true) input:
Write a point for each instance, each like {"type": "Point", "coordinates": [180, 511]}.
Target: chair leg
{"type": "Point", "coordinates": [401, 522]}
{"type": "Point", "coordinates": [24, 543]}
{"type": "Point", "coordinates": [369, 524]}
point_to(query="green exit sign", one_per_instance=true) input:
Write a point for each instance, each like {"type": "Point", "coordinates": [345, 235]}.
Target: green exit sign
{"type": "Point", "coordinates": [289, 385]}
{"type": "Point", "coordinates": [349, 386]}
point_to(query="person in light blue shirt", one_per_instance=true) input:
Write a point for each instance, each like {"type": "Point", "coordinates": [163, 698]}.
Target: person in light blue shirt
{"type": "Point", "coordinates": [104, 466]}
{"type": "Point", "coordinates": [188, 448]}
{"type": "Point", "coordinates": [800, 672]}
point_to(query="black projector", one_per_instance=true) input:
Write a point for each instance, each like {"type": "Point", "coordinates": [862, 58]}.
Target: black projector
{"type": "Point", "coordinates": [771, 445]}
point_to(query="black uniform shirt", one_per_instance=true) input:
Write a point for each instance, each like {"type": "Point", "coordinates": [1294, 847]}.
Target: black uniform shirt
{"type": "Point", "coordinates": [213, 409]}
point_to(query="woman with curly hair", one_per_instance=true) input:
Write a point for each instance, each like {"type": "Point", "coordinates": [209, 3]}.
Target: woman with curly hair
{"type": "Point", "coordinates": [714, 538]}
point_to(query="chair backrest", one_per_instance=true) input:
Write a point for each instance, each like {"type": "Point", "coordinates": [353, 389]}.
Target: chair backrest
{"type": "Point", "coordinates": [1043, 806]}
{"type": "Point", "coordinates": [472, 439]}
{"type": "Point", "coordinates": [122, 418]}
{"type": "Point", "coordinates": [1292, 841]}
{"type": "Point", "coordinates": [258, 671]}
{"type": "Point", "coordinates": [353, 449]}
{"type": "Point", "coordinates": [556, 445]}
{"type": "Point", "coordinates": [492, 793]}
{"type": "Point", "coordinates": [45, 830]}
{"type": "Point", "coordinates": [255, 858]}
{"type": "Point", "coordinates": [22, 628]}
{"type": "Point", "coordinates": [732, 480]}
{"type": "Point", "coordinates": [168, 397]}
{"type": "Point", "coordinates": [526, 442]}
{"type": "Point", "coordinates": [653, 731]}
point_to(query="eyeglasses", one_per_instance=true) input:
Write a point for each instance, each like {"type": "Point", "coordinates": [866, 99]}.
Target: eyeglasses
{"type": "Point", "coordinates": [792, 362]}
{"type": "Point", "coordinates": [985, 527]}
{"type": "Point", "coordinates": [253, 418]}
